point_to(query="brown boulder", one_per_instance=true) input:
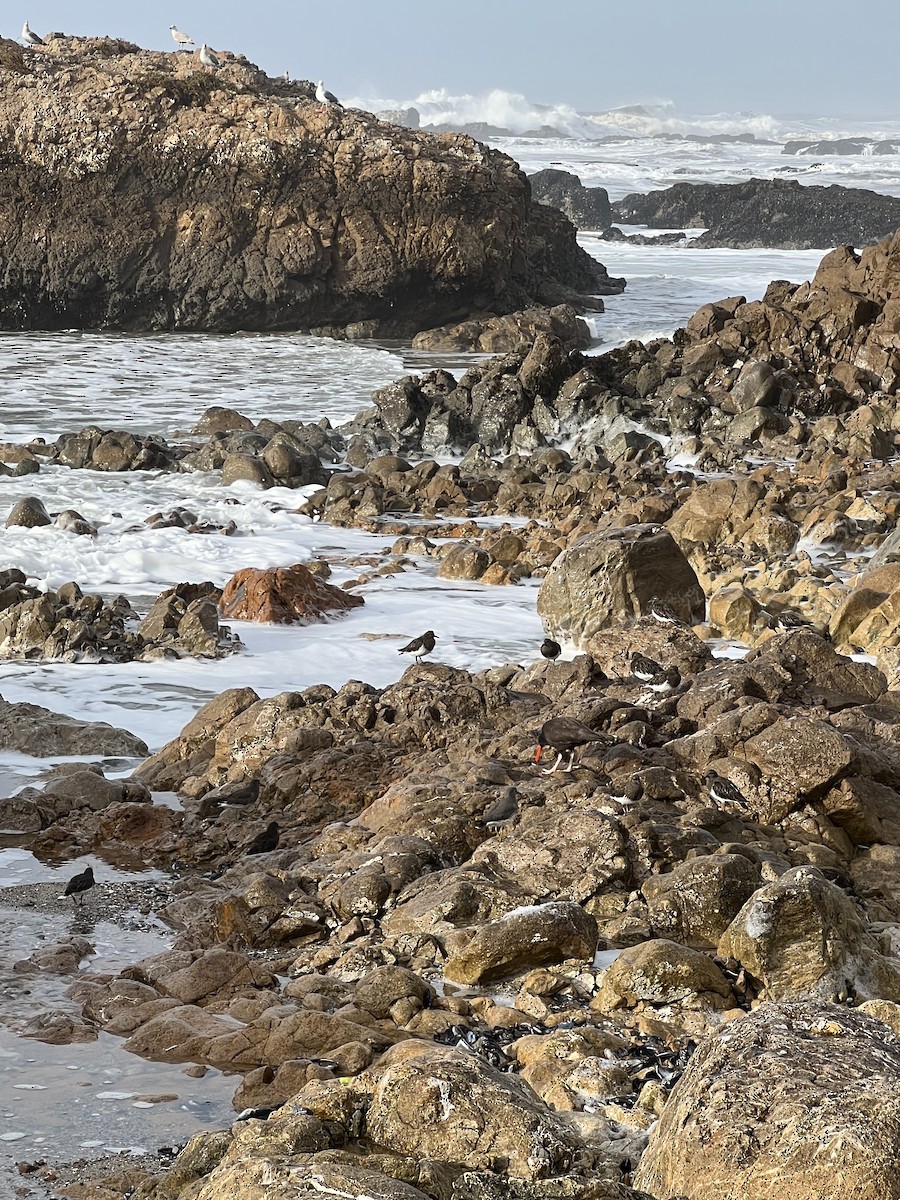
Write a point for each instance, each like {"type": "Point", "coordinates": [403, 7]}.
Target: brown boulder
{"type": "Point", "coordinates": [283, 596]}
{"type": "Point", "coordinates": [533, 936]}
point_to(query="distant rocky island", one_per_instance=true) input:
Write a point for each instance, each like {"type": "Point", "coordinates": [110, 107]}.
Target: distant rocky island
{"type": "Point", "coordinates": [143, 191]}
{"type": "Point", "coordinates": [778, 213]}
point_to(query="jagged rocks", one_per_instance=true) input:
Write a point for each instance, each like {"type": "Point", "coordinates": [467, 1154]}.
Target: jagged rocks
{"type": "Point", "coordinates": [283, 595]}
{"type": "Point", "coordinates": [30, 729]}
{"type": "Point", "coordinates": [607, 578]}
{"type": "Point", "coordinates": [798, 1099]}
{"type": "Point", "coordinates": [510, 334]}
{"type": "Point", "coordinates": [586, 207]}
{"type": "Point", "coordinates": [396, 229]}
{"type": "Point", "coordinates": [524, 937]}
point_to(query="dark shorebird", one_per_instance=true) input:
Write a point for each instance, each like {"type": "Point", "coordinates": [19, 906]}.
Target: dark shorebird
{"type": "Point", "coordinates": [626, 793]}
{"type": "Point", "coordinates": [265, 841]}
{"type": "Point", "coordinates": [79, 884]}
{"type": "Point", "coordinates": [664, 613]}
{"type": "Point", "coordinates": [502, 812]}
{"type": "Point", "coordinates": [550, 649]}
{"type": "Point", "coordinates": [789, 620]}
{"type": "Point", "coordinates": [645, 669]}
{"type": "Point", "coordinates": [723, 792]}
{"type": "Point", "coordinates": [30, 38]}
{"type": "Point", "coordinates": [420, 646]}
{"type": "Point", "coordinates": [325, 98]}
{"type": "Point", "coordinates": [667, 681]}
{"type": "Point", "coordinates": [565, 735]}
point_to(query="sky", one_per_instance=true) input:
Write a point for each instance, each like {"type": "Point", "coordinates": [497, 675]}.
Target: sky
{"type": "Point", "coordinates": [783, 57]}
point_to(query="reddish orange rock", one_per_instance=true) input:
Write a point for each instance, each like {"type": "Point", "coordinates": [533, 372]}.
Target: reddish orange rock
{"type": "Point", "coordinates": [284, 596]}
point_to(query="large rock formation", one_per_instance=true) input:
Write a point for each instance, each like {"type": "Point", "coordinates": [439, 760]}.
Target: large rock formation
{"type": "Point", "coordinates": [766, 212]}
{"type": "Point", "coordinates": [141, 191]}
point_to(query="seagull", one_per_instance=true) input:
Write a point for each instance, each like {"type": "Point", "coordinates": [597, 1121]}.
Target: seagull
{"type": "Point", "coordinates": [85, 881]}
{"type": "Point", "coordinates": [550, 649]}
{"type": "Point", "coordinates": [181, 40]}
{"type": "Point", "coordinates": [265, 841]}
{"type": "Point", "coordinates": [31, 39]}
{"type": "Point", "coordinates": [723, 793]}
{"type": "Point", "coordinates": [208, 58]}
{"type": "Point", "coordinates": [565, 735]}
{"type": "Point", "coordinates": [326, 98]}
{"type": "Point", "coordinates": [420, 646]}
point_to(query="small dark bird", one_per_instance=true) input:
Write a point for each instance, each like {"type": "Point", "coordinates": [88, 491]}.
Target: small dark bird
{"type": "Point", "coordinates": [664, 613]}
{"type": "Point", "coordinates": [645, 669]}
{"type": "Point", "coordinates": [502, 812]}
{"type": "Point", "coordinates": [79, 884]}
{"type": "Point", "coordinates": [239, 794]}
{"type": "Point", "coordinates": [667, 681]}
{"type": "Point", "coordinates": [565, 735]}
{"type": "Point", "coordinates": [420, 646]}
{"type": "Point", "coordinates": [550, 649]}
{"type": "Point", "coordinates": [788, 620]}
{"type": "Point", "coordinates": [723, 793]}
{"type": "Point", "coordinates": [265, 841]}
{"type": "Point", "coordinates": [626, 793]}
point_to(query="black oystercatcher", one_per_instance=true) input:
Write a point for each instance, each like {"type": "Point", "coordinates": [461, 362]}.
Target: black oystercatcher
{"type": "Point", "coordinates": [79, 884]}
{"type": "Point", "coordinates": [420, 646]}
{"type": "Point", "coordinates": [645, 669]}
{"type": "Point", "coordinates": [723, 793]}
{"type": "Point", "coordinates": [550, 649]}
{"type": "Point", "coordinates": [265, 841]}
{"type": "Point", "coordinates": [565, 735]}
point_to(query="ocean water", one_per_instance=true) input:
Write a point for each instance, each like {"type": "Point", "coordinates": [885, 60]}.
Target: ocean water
{"type": "Point", "coordinates": [54, 383]}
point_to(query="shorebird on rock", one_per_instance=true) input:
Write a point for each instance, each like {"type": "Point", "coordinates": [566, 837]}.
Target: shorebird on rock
{"type": "Point", "coordinates": [724, 794]}
{"type": "Point", "coordinates": [501, 812]}
{"type": "Point", "coordinates": [624, 793]}
{"type": "Point", "coordinates": [565, 735]}
{"type": "Point", "coordinates": [664, 613]}
{"type": "Point", "coordinates": [325, 98]}
{"type": "Point", "coordinates": [30, 38]}
{"type": "Point", "coordinates": [420, 646]}
{"type": "Point", "coordinates": [265, 841]}
{"type": "Point", "coordinates": [550, 649]}
{"type": "Point", "coordinates": [181, 40]}
{"type": "Point", "coordinates": [208, 58]}
{"type": "Point", "coordinates": [645, 669]}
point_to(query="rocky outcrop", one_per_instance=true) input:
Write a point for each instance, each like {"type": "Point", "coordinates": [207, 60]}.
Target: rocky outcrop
{"type": "Point", "coordinates": [187, 202]}
{"type": "Point", "coordinates": [586, 207]}
{"type": "Point", "coordinates": [799, 1099]}
{"type": "Point", "coordinates": [766, 212]}
{"type": "Point", "coordinates": [840, 146]}
{"type": "Point", "coordinates": [511, 334]}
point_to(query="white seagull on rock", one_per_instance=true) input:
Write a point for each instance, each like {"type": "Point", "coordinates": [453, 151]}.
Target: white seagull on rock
{"type": "Point", "coordinates": [180, 39]}
{"type": "Point", "coordinates": [208, 58]}
{"type": "Point", "coordinates": [326, 98]}
{"type": "Point", "coordinates": [31, 39]}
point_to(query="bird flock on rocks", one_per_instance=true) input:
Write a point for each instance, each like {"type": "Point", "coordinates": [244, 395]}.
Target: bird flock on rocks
{"type": "Point", "coordinates": [209, 58]}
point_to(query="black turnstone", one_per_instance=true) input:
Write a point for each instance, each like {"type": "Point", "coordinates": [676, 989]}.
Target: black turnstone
{"type": "Point", "coordinates": [789, 620]}
{"type": "Point", "coordinates": [626, 792]}
{"type": "Point", "coordinates": [723, 792]}
{"type": "Point", "coordinates": [660, 611]}
{"type": "Point", "coordinates": [667, 681]}
{"type": "Point", "coordinates": [550, 649]}
{"type": "Point", "coordinates": [420, 646]}
{"type": "Point", "coordinates": [645, 669]}
{"type": "Point", "coordinates": [79, 884]}
{"type": "Point", "coordinates": [503, 811]}
{"type": "Point", "coordinates": [265, 841]}
{"type": "Point", "coordinates": [565, 735]}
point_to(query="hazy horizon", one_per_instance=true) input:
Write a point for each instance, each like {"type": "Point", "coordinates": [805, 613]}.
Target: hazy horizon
{"type": "Point", "coordinates": [768, 60]}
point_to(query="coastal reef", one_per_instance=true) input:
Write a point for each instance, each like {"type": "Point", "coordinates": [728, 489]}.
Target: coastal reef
{"type": "Point", "coordinates": [142, 191]}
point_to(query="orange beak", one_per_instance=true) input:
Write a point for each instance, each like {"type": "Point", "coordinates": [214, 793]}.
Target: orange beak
{"type": "Point", "coordinates": [537, 754]}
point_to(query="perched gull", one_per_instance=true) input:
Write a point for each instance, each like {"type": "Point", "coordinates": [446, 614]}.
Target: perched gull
{"type": "Point", "coordinates": [208, 58]}
{"type": "Point", "coordinates": [326, 98]}
{"type": "Point", "coordinates": [180, 39]}
{"type": "Point", "coordinates": [31, 39]}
